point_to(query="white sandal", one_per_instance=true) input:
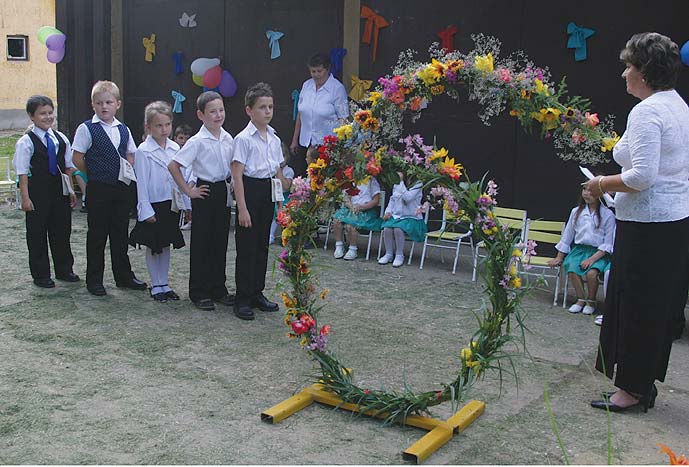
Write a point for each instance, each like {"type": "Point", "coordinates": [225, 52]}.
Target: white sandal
{"type": "Point", "coordinates": [576, 308]}
{"type": "Point", "coordinates": [589, 309]}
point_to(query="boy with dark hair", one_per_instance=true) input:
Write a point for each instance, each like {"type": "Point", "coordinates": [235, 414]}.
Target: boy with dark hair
{"type": "Point", "coordinates": [41, 156]}
{"type": "Point", "coordinates": [208, 153]}
{"type": "Point", "coordinates": [256, 160]}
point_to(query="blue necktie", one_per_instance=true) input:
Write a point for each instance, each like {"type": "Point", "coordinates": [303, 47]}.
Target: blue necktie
{"type": "Point", "coordinates": [52, 154]}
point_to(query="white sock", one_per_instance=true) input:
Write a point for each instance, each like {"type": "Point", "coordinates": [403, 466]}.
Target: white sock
{"type": "Point", "coordinates": [399, 242]}
{"type": "Point", "coordinates": [353, 248]}
{"type": "Point", "coordinates": [164, 268]}
{"type": "Point", "coordinates": [388, 238]}
{"type": "Point", "coordinates": [273, 230]}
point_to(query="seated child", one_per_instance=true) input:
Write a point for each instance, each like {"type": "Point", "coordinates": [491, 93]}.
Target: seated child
{"type": "Point", "coordinates": [359, 211]}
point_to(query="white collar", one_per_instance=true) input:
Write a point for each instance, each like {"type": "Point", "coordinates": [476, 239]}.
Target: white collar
{"type": "Point", "coordinates": [150, 145]}
{"type": "Point", "coordinates": [253, 130]}
{"type": "Point", "coordinates": [96, 119]}
{"type": "Point", "coordinates": [328, 85]}
{"type": "Point", "coordinates": [40, 132]}
{"type": "Point", "coordinates": [206, 134]}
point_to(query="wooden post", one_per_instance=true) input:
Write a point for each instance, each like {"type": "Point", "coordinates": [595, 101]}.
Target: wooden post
{"type": "Point", "coordinates": [351, 26]}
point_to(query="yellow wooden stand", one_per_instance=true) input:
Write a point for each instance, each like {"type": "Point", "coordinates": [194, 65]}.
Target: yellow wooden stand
{"type": "Point", "coordinates": [439, 431]}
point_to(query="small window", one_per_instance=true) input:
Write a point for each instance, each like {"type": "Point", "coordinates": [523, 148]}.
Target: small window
{"type": "Point", "coordinates": [17, 47]}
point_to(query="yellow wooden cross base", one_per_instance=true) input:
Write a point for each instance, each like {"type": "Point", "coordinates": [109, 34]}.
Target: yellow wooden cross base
{"type": "Point", "coordinates": [439, 431]}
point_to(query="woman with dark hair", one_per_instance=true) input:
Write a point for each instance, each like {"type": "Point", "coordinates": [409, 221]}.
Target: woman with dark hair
{"type": "Point", "coordinates": [322, 103]}
{"type": "Point", "coordinates": [647, 290]}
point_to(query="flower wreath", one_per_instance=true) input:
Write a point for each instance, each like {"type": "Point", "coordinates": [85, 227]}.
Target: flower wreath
{"type": "Point", "coordinates": [371, 146]}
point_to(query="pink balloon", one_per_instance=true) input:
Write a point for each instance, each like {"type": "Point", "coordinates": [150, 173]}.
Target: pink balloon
{"type": "Point", "coordinates": [55, 41]}
{"type": "Point", "coordinates": [56, 56]}
{"type": "Point", "coordinates": [228, 85]}
{"type": "Point", "coordinates": [211, 78]}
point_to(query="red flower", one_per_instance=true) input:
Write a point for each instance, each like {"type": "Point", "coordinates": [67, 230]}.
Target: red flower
{"type": "Point", "coordinates": [352, 191]}
{"type": "Point", "coordinates": [325, 330]}
{"type": "Point", "coordinates": [299, 328]}
{"type": "Point", "coordinates": [373, 167]}
{"type": "Point", "coordinates": [349, 172]}
{"type": "Point", "coordinates": [367, 391]}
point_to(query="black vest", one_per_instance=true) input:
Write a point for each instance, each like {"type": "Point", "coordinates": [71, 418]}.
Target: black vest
{"type": "Point", "coordinates": [39, 159]}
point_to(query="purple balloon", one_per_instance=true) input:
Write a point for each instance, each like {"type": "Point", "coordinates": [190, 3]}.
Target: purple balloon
{"type": "Point", "coordinates": [55, 41]}
{"type": "Point", "coordinates": [56, 56]}
{"type": "Point", "coordinates": [228, 85]}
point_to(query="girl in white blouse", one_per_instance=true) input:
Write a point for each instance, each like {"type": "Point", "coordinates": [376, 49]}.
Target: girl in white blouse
{"type": "Point", "coordinates": [157, 226]}
{"type": "Point", "coordinates": [586, 246]}
{"type": "Point", "coordinates": [359, 211]}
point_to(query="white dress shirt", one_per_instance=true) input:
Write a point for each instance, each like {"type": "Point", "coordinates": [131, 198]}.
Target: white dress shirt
{"type": "Point", "coordinates": [405, 202]}
{"type": "Point", "coordinates": [319, 110]}
{"type": "Point", "coordinates": [261, 158]}
{"type": "Point", "coordinates": [23, 150]}
{"type": "Point", "coordinates": [82, 138]}
{"type": "Point", "coordinates": [589, 230]}
{"type": "Point", "coordinates": [654, 155]}
{"type": "Point", "coordinates": [209, 157]}
{"type": "Point", "coordinates": [366, 192]}
{"type": "Point", "coordinates": [154, 182]}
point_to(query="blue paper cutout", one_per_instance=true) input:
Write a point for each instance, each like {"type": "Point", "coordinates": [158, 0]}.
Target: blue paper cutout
{"type": "Point", "coordinates": [177, 58]}
{"type": "Point", "coordinates": [273, 38]}
{"type": "Point", "coordinates": [179, 98]}
{"type": "Point", "coordinates": [295, 109]}
{"type": "Point", "coordinates": [336, 56]}
{"type": "Point", "coordinates": [577, 40]}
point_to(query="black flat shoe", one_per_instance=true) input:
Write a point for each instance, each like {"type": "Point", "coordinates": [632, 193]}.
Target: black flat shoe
{"type": "Point", "coordinates": [160, 297]}
{"type": "Point", "coordinates": [651, 399]}
{"type": "Point", "coordinates": [98, 290]}
{"type": "Point", "coordinates": [263, 304]}
{"type": "Point", "coordinates": [69, 277]}
{"type": "Point", "coordinates": [244, 312]}
{"type": "Point", "coordinates": [44, 283]}
{"type": "Point", "coordinates": [171, 295]}
{"type": "Point", "coordinates": [205, 304]}
{"type": "Point", "coordinates": [227, 300]}
{"type": "Point", "coordinates": [133, 283]}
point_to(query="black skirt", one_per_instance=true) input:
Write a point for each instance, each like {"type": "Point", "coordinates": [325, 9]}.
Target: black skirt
{"type": "Point", "coordinates": [645, 300]}
{"type": "Point", "coordinates": [161, 233]}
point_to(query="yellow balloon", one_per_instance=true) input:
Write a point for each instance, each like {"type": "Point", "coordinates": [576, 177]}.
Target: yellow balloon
{"type": "Point", "coordinates": [198, 80]}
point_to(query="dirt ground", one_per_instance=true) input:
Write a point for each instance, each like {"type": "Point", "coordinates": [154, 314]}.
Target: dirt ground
{"type": "Point", "coordinates": [124, 380]}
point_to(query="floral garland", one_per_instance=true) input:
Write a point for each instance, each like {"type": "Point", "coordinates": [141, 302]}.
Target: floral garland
{"type": "Point", "coordinates": [371, 146]}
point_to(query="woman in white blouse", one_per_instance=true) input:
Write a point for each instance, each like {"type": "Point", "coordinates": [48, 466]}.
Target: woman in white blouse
{"type": "Point", "coordinates": [322, 105]}
{"type": "Point", "coordinates": [649, 279]}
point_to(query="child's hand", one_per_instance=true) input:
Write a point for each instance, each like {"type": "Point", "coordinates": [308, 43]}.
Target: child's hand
{"type": "Point", "coordinates": [587, 263]}
{"type": "Point", "coordinates": [244, 218]}
{"type": "Point", "coordinates": [72, 200]}
{"type": "Point", "coordinates": [151, 220]}
{"type": "Point", "coordinates": [187, 216]}
{"type": "Point", "coordinates": [199, 192]}
{"type": "Point", "coordinates": [554, 262]}
{"type": "Point", "coordinates": [387, 216]}
{"type": "Point", "coordinates": [356, 208]}
{"type": "Point", "coordinates": [27, 204]}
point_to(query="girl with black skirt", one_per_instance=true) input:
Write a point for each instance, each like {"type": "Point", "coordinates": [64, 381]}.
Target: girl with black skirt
{"type": "Point", "coordinates": [157, 227]}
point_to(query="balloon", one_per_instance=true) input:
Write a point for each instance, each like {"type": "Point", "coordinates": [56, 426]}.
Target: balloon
{"type": "Point", "coordinates": [198, 80]}
{"type": "Point", "coordinates": [211, 78]}
{"type": "Point", "coordinates": [56, 56]}
{"type": "Point", "coordinates": [55, 41]}
{"type": "Point", "coordinates": [201, 65]}
{"type": "Point", "coordinates": [46, 31]}
{"type": "Point", "coordinates": [684, 53]}
{"type": "Point", "coordinates": [228, 85]}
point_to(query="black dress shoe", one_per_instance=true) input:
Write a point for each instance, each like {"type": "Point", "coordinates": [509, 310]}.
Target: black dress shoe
{"type": "Point", "coordinates": [244, 311]}
{"type": "Point", "coordinates": [69, 277]}
{"type": "Point", "coordinates": [44, 283]}
{"type": "Point", "coordinates": [98, 290]}
{"type": "Point", "coordinates": [171, 295]}
{"type": "Point", "coordinates": [205, 304]}
{"type": "Point", "coordinates": [263, 304]}
{"type": "Point", "coordinates": [132, 283]}
{"type": "Point", "coordinates": [227, 300]}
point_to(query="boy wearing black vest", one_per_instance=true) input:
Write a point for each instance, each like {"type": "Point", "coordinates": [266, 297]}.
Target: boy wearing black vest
{"type": "Point", "coordinates": [104, 150]}
{"type": "Point", "coordinates": [40, 157]}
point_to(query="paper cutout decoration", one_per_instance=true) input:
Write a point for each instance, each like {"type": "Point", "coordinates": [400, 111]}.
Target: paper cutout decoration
{"type": "Point", "coordinates": [273, 38]}
{"type": "Point", "coordinates": [336, 56]}
{"type": "Point", "coordinates": [577, 40]}
{"type": "Point", "coordinates": [359, 88]}
{"type": "Point", "coordinates": [179, 98]}
{"type": "Point", "coordinates": [187, 21]}
{"type": "Point", "coordinates": [374, 23]}
{"type": "Point", "coordinates": [684, 53]}
{"type": "Point", "coordinates": [447, 37]}
{"type": "Point", "coordinates": [295, 107]}
{"type": "Point", "coordinates": [150, 46]}
{"type": "Point", "coordinates": [177, 58]}
{"type": "Point", "coordinates": [228, 85]}
{"type": "Point", "coordinates": [54, 40]}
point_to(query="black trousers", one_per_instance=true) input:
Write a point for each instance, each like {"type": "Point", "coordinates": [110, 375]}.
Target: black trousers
{"type": "Point", "coordinates": [252, 243]}
{"type": "Point", "coordinates": [49, 223]}
{"type": "Point", "coordinates": [298, 162]}
{"type": "Point", "coordinates": [108, 218]}
{"type": "Point", "coordinates": [210, 231]}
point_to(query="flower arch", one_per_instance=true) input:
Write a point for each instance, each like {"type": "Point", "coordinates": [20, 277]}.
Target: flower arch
{"type": "Point", "coordinates": [371, 145]}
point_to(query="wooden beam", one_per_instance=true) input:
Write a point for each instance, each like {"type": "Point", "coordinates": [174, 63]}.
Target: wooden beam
{"type": "Point", "coordinates": [351, 27]}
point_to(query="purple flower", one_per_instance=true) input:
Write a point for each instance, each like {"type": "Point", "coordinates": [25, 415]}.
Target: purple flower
{"type": "Point", "coordinates": [318, 342]}
{"type": "Point", "coordinates": [492, 188]}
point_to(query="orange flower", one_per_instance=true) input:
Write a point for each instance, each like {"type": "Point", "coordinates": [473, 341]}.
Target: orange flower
{"type": "Point", "coordinates": [288, 301]}
{"type": "Point", "coordinates": [674, 459]}
{"type": "Point", "coordinates": [449, 168]}
{"type": "Point", "coordinates": [361, 116]}
{"type": "Point", "coordinates": [371, 124]}
{"type": "Point", "coordinates": [437, 89]}
{"type": "Point", "coordinates": [415, 103]}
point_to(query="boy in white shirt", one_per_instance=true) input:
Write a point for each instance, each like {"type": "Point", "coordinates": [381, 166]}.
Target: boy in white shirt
{"type": "Point", "coordinates": [208, 153]}
{"type": "Point", "coordinates": [256, 159]}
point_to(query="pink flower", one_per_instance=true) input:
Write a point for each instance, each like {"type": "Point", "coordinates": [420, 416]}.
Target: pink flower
{"type": "Point", "coordinates": [577, 137]}
{"type": "Point", "coordinates": [591, 120]}
{"type": "Point", "coordinates": [504, 75]}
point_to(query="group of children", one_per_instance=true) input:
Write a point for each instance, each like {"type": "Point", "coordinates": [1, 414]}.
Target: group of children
{"type": "Point", "coordinates": [199, 177]}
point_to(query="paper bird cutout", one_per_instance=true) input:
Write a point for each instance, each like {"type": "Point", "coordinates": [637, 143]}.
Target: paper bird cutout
{"type": "Point", "coordinates": [179, 98]}
{"type": "Point", "coordinates": [374, 23]}
{"type": "Point", "coordinates": [150, 46]}
{"type": "Point", "coordinates": [359, 88]}
{"type": "Point", "coordinates": [187, 21]}
{"type": "Point", "coordinates": [273, 38]}
{"type": "Point", "coordinates": [577, 40]}
{"type": "Point", "coordinates": [295, 108]}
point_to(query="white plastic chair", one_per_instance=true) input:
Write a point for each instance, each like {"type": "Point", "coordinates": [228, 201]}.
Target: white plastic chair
{"type": "Point", "coordinates": [447, 240]}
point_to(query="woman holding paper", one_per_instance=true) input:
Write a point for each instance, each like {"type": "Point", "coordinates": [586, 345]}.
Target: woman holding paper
{"type": "Point", "coordinates": [647, 290]}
